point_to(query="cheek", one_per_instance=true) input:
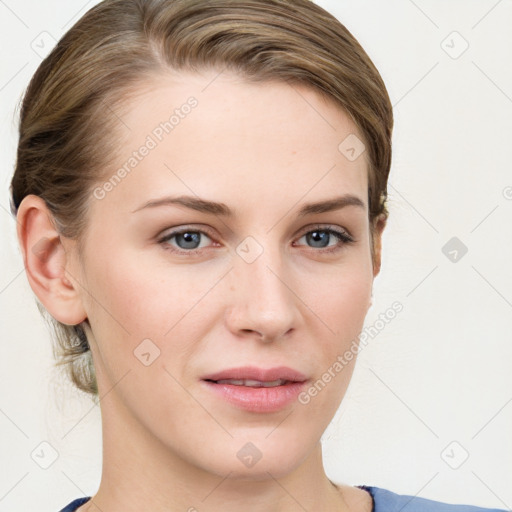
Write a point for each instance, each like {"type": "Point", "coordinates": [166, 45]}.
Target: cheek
{"type": "Point", "coordinates": [341, 310]}
{"type": "Point", "coordinates": [143, 324]}
{"type": "Point", "coordinates": [140, 307]}
{"type": "Point", "coordinates": [139, 297]}
{"type": "Point", "coordinates": [340, 298]}
{"type": "Point", "coordinates": [351, 301]}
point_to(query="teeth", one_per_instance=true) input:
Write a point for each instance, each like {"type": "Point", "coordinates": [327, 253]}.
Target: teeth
{"type": "Point", "coordinates": [253, 383]}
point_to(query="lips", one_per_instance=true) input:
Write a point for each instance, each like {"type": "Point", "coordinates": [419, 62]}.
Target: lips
{"type": "Point", "coordinates": [253, 383]}
{"type": "Point", "coordinates": [251, 375]}
{"type": "Point", "coordinates": [256, 390]}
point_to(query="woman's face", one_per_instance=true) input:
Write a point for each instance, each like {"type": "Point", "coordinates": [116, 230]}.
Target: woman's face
{"type": "Point", "coordinates": [237, 236]}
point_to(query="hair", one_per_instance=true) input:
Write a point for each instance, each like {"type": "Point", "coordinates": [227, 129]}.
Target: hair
{"type": "Point", "coordinates": [68, 113]}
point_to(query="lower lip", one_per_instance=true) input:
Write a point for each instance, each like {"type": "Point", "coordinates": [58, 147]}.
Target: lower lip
{"type": "Point", "coordinates": [258, 399]}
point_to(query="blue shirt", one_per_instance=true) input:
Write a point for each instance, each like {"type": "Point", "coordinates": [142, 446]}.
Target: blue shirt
{"type": "Point", "coordinates": [383, 501]}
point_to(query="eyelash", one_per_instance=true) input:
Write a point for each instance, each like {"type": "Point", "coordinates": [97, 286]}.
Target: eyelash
{"type": "Point", "coordinates": [343, 237]}
{"type": "Point", "coordinates": [164, 241]}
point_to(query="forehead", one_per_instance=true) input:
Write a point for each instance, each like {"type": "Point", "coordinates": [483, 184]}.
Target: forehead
{"type": "Point", "coordinates": [216, 133]}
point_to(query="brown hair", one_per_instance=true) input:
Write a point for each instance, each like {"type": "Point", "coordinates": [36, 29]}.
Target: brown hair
{"type": "Point", "coordinates": [68, 114]}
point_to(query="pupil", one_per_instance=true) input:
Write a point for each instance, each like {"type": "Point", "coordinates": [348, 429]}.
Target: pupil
{"type": "Point", "coordinates": [189, 240]}
{"type": "Point", "coordinates": [318, 238]}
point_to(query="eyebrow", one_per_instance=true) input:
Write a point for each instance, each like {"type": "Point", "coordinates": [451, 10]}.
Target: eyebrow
{"type": "Point", "coordinates": [330, 205]}
{"type": "Point", "coordinates": [212, 207]}
{"type": "Point", "coordinates": [194, 203]}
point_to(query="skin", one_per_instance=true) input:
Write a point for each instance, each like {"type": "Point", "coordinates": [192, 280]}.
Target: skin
{"type": "Point", "coordinates": [264, 150]}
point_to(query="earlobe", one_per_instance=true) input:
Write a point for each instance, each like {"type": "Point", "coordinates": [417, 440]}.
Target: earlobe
{"type": "Point", "coordinates": [46, 262]}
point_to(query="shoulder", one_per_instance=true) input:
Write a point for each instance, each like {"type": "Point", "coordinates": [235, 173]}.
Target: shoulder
{"type": "Point", "coordinates": [75, 504]}
{"type": "Point", "coordinates": [387, 501]}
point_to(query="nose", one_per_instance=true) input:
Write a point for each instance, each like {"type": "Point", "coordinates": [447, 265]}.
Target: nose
{"type": "Point", "coordinates": [262, 302]}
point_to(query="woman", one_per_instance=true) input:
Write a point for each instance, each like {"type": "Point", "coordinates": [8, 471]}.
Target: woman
{"type": "Point", "coordinates": [201, 195]}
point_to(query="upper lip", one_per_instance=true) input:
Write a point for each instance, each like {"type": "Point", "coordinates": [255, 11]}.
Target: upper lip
{"type": "Point", "coordinates": [258, 374]}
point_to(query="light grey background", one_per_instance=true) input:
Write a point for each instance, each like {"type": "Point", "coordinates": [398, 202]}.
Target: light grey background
{"type": "Point", "coordinates": [434, 386]}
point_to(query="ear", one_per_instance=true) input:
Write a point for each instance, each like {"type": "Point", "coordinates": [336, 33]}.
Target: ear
{"type": "Point", "coordinates": [46, 262]}
{"type": "Point", "coordinates": [378, 227]}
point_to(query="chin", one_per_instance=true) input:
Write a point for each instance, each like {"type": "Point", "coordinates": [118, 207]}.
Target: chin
{"type": "Point", "coordinates": [254, 457]}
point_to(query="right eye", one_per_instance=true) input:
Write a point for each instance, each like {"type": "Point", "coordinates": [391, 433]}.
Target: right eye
{"type": "Point", "coordinates": [185, 240]}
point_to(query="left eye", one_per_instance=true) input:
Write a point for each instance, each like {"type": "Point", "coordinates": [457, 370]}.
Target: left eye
{"type": "Point", "coordinates": [187, 240]}
{"type": "Point", "coordinates": [322, 238]}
